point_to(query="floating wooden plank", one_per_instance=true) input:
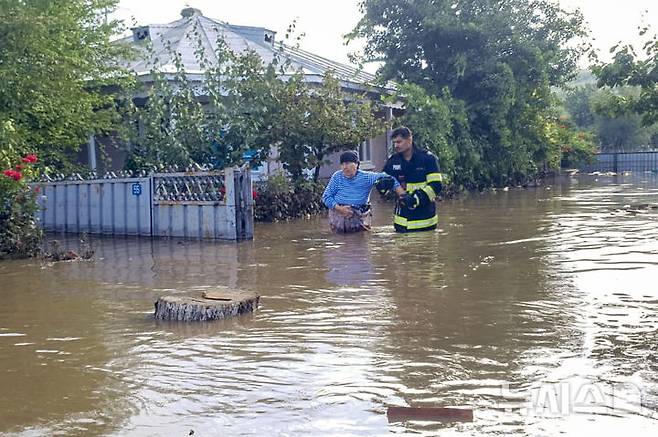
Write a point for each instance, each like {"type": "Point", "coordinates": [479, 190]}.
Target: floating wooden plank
{"type": "Point", "coordinates": [212, 305]}
{"type": "Point", "coordinates": [400, 414]}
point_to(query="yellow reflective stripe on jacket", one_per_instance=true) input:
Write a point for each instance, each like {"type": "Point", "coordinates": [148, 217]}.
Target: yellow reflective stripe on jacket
{"type": "Point", "coordinates": [413, 186]}
{"type": "Point", "coordinates": [431, 177]}
{"type": "Point", "coordinates": [430, 192]}
{"type": "Point", "coordinates": [419, 224]}
{"type": "Point", "coordinates": [399, 220]}
{"type": "Point", "coordinates": [416, 224]}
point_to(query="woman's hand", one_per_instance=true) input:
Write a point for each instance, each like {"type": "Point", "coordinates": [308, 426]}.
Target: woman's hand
{"type": "Point", "coordinates": [345, 211]}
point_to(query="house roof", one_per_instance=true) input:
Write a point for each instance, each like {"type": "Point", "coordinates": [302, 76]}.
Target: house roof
{"type": "Point", "coordinates": [193, 28]}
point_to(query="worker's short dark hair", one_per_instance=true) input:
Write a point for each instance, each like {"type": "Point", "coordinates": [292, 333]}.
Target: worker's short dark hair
{"type": "Point", "coordinates": [401, 131]}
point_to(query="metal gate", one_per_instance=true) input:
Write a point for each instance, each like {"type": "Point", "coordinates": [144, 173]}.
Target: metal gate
{"type": "Point", "coordinates": [623, 161]}
{"type": "Point", "coordinates": [208, 205]}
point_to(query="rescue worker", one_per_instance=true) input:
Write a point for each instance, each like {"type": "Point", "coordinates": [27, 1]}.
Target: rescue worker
{"type": "Point", "coordinates": [348, 192]}
{"type": "Point", "coordinates": [418, 172]}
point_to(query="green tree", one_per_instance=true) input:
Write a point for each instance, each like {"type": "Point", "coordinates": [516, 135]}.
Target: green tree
{"type": "Point", "coordinates": [595, 111]}
{"type": "Point", "coordinates": [574, 146]}
{"type": "Point", "coordinates": [312, 122]}
{"type": "Point", "coordinates": [440, 124]}
{"type": "Point", "coordinates": [632, 70]}
{"type": "Point", "coordinates": [622, 133]}
{"type": "Point", "coordinates": [578, 103]}
{"type": "Point", "coordinates": [213, 122]}
{"type": "Point", "coordinates": [172, 120]}
{"type": "Point", "coordinates": [59, 81]}
{"type": "Point", "coordinates": [497, 58]}
{"type": "Point", "coordinates": [248, 105]}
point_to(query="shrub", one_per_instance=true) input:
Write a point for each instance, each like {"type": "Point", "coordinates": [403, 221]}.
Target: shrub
{"type": "Point", "coordinates": [277, 198]}
{"type": "Point", "coordinates": [20, 237]}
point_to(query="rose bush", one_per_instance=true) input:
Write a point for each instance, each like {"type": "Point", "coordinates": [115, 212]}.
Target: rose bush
{"type": "Point", "coordinates": [20, 237]}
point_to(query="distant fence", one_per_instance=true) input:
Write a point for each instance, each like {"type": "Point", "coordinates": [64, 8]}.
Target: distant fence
{"type": "Point", "coordinates": [200, 205]}
{"type": "Point", "coordinates": [623, 161]}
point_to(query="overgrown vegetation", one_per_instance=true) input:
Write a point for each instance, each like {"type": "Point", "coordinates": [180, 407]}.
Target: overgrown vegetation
{"type": "Point", "coordinates": [20, 237]}
{"type": "Point", "coordinates": [618, 104]}
{"type": "Point", "coordinates": [637, 71]}
{"type": "Point", "coordinates": [249, 109]}
{"type": "Point", "coordinates": [478, 77]}
{"type": "Point", "coordinates": [594, 111]}
{"type": "Point", "coordinates": [277, 198]}
{"type": "Point", "coordinates": [61, 81]}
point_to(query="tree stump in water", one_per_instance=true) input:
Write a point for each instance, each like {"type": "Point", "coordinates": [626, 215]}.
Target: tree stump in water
{"type": "Point", "coordinates": [212, 305]}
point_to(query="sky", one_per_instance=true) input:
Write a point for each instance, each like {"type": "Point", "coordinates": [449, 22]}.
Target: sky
{"type": "Point", "coordinates": [324, 23]}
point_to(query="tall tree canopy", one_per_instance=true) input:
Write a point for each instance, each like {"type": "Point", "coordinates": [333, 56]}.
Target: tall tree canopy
{"type": "Point", "coordinates": [628, 68]}
{"type": "Point", "coordinates": [59, 80]}
{"type": "Point", "coordinates": [596, 110]}
{"type": "Point", "coordinates": [499, 58]}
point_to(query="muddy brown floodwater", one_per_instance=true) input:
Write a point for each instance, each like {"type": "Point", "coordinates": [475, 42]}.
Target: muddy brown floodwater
{"type": "Point", "coordinates": [537, 308]}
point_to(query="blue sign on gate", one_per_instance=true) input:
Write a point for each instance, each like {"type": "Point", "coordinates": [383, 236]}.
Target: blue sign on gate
{"type": "Point", "coordinates": [137, 189]}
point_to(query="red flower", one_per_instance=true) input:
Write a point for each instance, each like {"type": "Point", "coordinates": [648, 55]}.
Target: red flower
{"type": "Point", "coordinates": [31, 158]}
{"type": "Point", "coordinates": [15, 175]}
{"type": "Point", "coordinates": [19, 167]}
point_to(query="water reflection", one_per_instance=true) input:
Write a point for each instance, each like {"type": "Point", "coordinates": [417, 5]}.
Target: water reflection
{"type": "Point", "coordinates": [158, 263]}
{"type": "Point", "coordinates": [55, 376]}
{"type": "Point", "coordinates": [347, 260]}
{"type": "Point", "coordinates": [459, 331]}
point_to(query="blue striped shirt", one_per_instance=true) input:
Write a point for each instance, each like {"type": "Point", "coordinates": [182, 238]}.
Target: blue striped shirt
{"type": "Point", "coordinates": [355, 191]}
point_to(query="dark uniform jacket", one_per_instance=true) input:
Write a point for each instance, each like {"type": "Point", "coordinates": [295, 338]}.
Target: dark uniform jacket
{"type": "Point", "coordinates": [421, 172]}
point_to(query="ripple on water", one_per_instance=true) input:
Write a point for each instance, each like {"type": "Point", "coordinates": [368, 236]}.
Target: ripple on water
{"type": "Point", "coordinates": [519, 292]}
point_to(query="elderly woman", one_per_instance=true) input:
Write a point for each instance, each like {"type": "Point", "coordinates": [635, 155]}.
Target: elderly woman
{"type": "Point", "coordinates": [348, 192]}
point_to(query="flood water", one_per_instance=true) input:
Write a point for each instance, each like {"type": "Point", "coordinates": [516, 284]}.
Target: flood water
{"type": "Point", "coordinates": [536, 308]}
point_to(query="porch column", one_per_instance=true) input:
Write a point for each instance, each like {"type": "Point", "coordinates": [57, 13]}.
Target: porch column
{"type": "Point", "coordinates": [91, 152]}
{"type": "Point", "coordinates": [389, 119]}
